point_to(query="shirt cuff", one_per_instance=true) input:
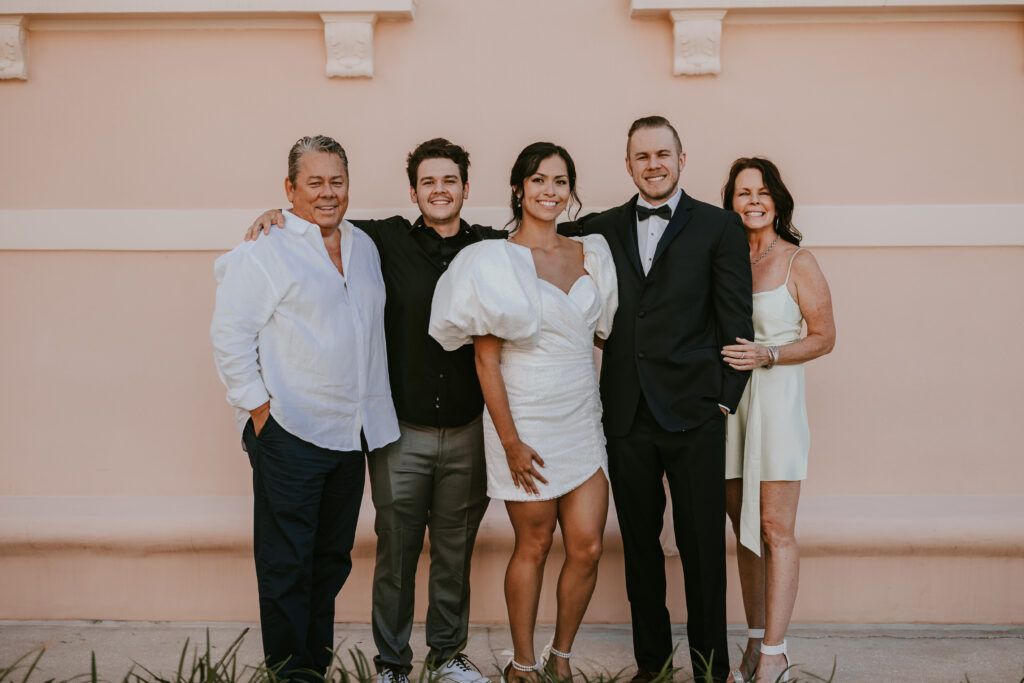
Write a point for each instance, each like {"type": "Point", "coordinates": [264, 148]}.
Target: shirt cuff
{"type": "Point", "coordinates": [249, 397]}
{"type": "Point", "coordinates": [725, 408]}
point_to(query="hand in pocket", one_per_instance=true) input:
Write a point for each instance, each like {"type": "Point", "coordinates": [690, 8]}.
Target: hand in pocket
{"type": "Point", "coordinates": [259, 417]}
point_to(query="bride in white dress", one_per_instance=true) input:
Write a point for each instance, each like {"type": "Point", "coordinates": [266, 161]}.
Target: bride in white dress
{"type": "Point", "coordinates": [534, 307]}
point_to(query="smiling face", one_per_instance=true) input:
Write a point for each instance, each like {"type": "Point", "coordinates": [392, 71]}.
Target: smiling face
{"type": "Point", "coordinates": [320, 192]}
{"type": "Point", "coordinates": [439, 191]}
{"type": "Point", "coordinates": [752, 200]}
{"type": "Point", "coordinates": [545, 193]}
{"type": "Point", "coordinates": [654, 161]}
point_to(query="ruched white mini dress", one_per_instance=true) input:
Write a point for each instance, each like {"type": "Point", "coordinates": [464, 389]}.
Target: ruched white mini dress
{"type": "Point", "coordinates": [547, 358]}
{"type": "Point", "coordinates": [767, 439]}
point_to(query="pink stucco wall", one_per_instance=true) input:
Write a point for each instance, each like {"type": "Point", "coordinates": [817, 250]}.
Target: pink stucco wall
{"type": "Point", "coordinates": [108, 382]}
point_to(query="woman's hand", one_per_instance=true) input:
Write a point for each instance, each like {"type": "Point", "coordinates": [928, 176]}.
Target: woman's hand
{"type": "Point", "coordinates": [521, 460]}
{"type": "Point", "coordinates": [264, 223]}
{"type": "Point", "coordinates": [746, 355]}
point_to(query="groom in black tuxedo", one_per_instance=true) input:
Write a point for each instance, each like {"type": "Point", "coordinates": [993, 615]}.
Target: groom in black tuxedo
{"type": "Point", "coordinates": [684, 292]}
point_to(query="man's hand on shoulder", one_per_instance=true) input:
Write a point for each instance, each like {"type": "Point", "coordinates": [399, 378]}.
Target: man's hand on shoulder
{"type": "Point", "coordinates": [263, 224]}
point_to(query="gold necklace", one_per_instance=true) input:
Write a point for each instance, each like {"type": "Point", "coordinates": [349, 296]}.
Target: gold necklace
{"type": "Point", "coordinates": [765, 252]}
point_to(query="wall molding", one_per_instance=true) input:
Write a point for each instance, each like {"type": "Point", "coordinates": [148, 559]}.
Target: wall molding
{"type": "Point", "coordinates": [959, 225]}
{"type": "Point", "coordinates": [13, 47]}
{"type": "Point", "coordinates": [348, 25]}
{"type": "Point", "coordinates": [697, 24]}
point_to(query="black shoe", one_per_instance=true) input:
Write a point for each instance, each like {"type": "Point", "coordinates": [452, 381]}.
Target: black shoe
{"type": "Point", "coordinates": [643, 675]}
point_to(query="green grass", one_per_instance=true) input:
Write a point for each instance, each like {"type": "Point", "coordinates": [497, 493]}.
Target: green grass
{"type": "Point", "coordinates": [198, 664]}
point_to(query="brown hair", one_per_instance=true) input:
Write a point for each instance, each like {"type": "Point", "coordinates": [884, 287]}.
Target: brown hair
{"type": "Point", "coordinates": [780, 194]}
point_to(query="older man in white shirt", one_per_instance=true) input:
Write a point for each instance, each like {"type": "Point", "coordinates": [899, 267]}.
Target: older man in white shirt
{"type": "Point", "coordinates": [298, 337]}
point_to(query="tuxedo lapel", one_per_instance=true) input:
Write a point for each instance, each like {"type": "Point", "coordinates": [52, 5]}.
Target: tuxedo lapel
{"type": "Point", "coordinates": [680, 217]}
{"type": "Point", "coordinates": [626, 233]}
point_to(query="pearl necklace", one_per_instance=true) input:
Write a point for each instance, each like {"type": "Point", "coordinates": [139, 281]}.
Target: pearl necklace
{"type": "Point", "coordinates": [765, 252]}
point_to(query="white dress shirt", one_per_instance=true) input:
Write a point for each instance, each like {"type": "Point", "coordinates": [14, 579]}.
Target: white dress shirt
{"type": "Point", "coordinates": [291, 329]}
{"type": "Point", "coordinates": [650, 230]}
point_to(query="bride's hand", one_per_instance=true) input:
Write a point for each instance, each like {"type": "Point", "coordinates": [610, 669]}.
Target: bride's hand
{"type": "Point", "coordinates": [521, 459]}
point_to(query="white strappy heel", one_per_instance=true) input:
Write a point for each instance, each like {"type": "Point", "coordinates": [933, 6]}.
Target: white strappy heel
{"type": "Point", "coordinates": [549, 650]}
{"type": "Point", "coordinates": [779, 649]}
{"type": "Point", "coordinates": [513, 664]}
{"type": "Point", "coordinates": [752, 634]}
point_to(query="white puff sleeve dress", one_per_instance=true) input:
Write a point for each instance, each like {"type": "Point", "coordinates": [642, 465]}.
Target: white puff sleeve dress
{"type": "Point", "coordinates": [547, 358]}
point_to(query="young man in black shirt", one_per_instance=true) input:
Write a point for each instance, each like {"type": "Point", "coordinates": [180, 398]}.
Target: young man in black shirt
{"type": "Point", "coordinates": [433, 477]}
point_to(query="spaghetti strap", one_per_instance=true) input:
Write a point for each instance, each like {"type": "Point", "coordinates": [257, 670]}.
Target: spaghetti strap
{"type": "Point", "coordinates": [798, 250]}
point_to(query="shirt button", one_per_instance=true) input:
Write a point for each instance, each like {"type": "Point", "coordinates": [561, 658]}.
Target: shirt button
{"type": "Point", "coordinates": [641, 355]}
{"type": "Point", "coordinates": [441, 375]}
{"type": "Point", "coordinates": [641, 314]}
{"type": "Point", "coordinates": [444, 263]}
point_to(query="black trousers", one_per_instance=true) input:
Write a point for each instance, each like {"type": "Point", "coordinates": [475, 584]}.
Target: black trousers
{"type": "Point", "coordinates": [306, 504]}
{"type": "Point", "coordinates": [694, 463]}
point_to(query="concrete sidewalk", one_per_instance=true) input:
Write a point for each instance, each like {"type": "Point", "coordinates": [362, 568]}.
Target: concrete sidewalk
{"type": "Point", "coordinates": [862, 652]}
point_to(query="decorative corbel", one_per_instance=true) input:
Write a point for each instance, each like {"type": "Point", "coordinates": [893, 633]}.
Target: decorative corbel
{"type": "Point", "coordinates": [697, 37]}
{"type": "Point", "coordinates": [13, 47]}
{"type": "Point", "coordinates": [349, 41]}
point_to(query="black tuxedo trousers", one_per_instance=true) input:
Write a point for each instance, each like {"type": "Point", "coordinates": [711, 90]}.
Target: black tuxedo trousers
{"type": "Point", "coordinates": [662, 380]}
{"type": "Point", "coordinates": [694, 464]}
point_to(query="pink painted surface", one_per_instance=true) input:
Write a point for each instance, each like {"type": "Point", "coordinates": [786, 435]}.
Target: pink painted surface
{"type": "Point", "coordinates": [108, 383]}
{"type": "Point", "coordinates": [110, 387]}
{"type": "Point", "coordinates": [853, 113]}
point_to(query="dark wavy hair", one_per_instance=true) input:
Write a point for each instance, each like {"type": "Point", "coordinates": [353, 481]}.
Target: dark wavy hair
{"type": "Point", "coordinates": [781, 197]}
{"type": "Point", "coordinates": [436, 148]}
{"type": "Point", "coordinates": [526, 165]}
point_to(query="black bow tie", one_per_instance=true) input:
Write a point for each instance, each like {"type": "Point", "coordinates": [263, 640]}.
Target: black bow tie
{"type": "Point", "coordinates": [663, 211]}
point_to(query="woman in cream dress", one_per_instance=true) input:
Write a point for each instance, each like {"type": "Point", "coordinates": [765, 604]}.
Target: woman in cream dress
{"type": "Point", "coordinates": [767, 440]}
{"type": "Point", "coordinates": [533, 307]}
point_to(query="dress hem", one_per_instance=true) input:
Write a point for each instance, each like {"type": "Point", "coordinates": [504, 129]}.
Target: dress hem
{"type": "Point", "coordinates": [533, 499]}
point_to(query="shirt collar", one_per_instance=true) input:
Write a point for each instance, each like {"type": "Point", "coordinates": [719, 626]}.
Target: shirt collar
{"type": "Point", "coordinates": [672, 202]}
{"type": "Point", "coordinates": [421, 224]}
{"type": "Point", "coordinates": [300, 226]}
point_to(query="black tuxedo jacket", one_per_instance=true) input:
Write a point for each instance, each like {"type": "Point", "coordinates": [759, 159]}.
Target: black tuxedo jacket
{"type": "Point", "coordinates": [671, 324]}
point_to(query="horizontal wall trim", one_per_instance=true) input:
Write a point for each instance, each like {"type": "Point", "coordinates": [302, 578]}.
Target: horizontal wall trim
{"type": "Point", "coordinates": [100, 7]}
{"type": "Point", "coordinates": [254, 22]}
{"type": "Point", "coordinates": [220, 229]}
{"type": "Point", "coordinates": [871, 16]}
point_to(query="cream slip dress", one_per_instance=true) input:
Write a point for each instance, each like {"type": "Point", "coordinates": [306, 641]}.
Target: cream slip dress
{"type": "Point", "coordinates": [768, 439]}
{"type": "Point", "coordinates": [547, 358]}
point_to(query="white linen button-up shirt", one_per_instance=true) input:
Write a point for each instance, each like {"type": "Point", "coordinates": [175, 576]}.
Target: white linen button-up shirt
{"type": "Point", "coordinates": [650, 230]}
{"type": "Point", "coordinates": [291, 329]}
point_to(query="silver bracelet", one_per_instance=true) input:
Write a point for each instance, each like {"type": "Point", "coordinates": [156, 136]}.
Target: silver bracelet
{"type": "Point", "coordinates": [773, 357]}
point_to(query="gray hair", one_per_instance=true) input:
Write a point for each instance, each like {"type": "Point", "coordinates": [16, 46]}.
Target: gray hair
{"type": "Point", "coordinates": [313, 143]}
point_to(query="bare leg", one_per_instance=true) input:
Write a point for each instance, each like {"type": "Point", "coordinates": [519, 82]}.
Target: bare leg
{"type": "Point", "coordinates": [782, 567]}
{"type": "Point", "coordinates": [751, 569]}
{"type": "Point", "coordinates": [582, 514]}
{"type": "Point", "coordinates": [534, 525]}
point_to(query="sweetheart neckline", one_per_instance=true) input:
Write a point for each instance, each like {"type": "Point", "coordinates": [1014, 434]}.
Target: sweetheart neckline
{"type": "Point", "coordinates": [565, 292]}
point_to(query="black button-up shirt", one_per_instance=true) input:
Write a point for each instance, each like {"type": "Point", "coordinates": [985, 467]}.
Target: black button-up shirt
{"type": "Point", "coordinates": [431, 387]}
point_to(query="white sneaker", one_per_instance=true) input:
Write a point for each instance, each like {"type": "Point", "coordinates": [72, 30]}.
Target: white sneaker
{"type": "Point", "coordinates": [389, 675]}
{"type": "Point", "coordinates": [459, 669]}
